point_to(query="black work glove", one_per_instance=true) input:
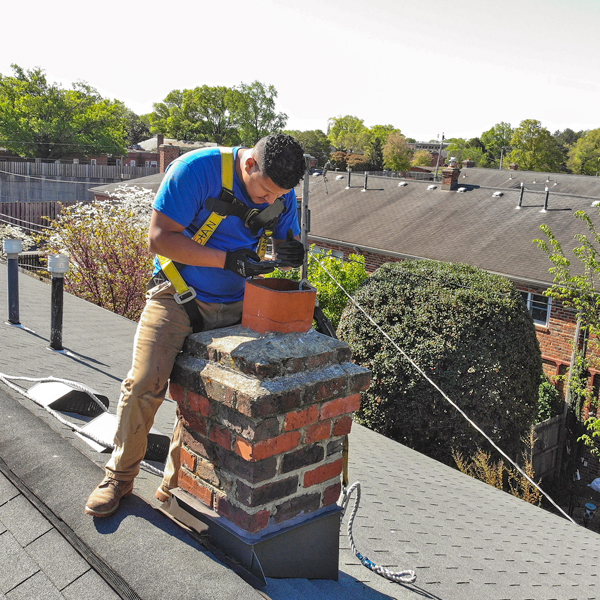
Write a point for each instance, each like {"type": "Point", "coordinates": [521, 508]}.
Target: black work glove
{"type": "Point", "coordinates": [246, 263]}
{"type": "Point", "coordinates": [291, 252]}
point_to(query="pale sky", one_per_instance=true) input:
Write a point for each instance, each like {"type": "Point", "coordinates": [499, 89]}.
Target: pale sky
{"type": "Point", "coordinates": [424, 67]}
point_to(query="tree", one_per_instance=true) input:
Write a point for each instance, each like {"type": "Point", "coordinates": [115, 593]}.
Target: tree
{"type": "Point", "coordinates": [421, 158]}
{"type": "Point", "coordinates": [348, 133]}
{"type": "Point", "coordinates": [456, 148]}
{"type": "Point", "coordinates": [315, 143]}
{"type": "Point", "coordinates": [255, 114]}
{"type": "Point", "coordinates": [43, 120]}
{"type": "Point", "coordinates": [470, 332]}
{"type": "Point", "coordinates": [201, 114]}
{"type": "Point", "coordinates": [534, 148]}
{"type": "Point", "coordinates": [497, 142]}
{"type": "Point", "coordinates": [584, 155]}
{"type": "Point", "coordinates": [337, 160]}
{"type": "Point", "coordinates": [396, 152]}
{"type": "Point", "coordinates": [138, 128]}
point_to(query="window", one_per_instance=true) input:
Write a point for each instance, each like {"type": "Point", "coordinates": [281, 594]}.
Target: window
{"type": "Point", "coordinates": [153, 163]}
{"type": "Point", "coordinates": [93, 162]}
{"type": "Point", "coordinates": [147, 163]}
{"type": "Point", "coordinates": [538, 306]}
{"type": "Point", "coordinates": [132, 163]}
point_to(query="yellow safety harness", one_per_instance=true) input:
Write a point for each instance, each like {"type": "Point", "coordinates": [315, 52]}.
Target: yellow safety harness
{"type": "Point", "coordinates": [225, 205]}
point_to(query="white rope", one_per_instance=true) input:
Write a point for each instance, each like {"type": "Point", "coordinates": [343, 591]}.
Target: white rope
{"type": "Point", "coordinates": [445, 396]}
{"type": "Point", "coordinates": [7, 379]}
{"type": "Point", "coordinates": [407, 576]}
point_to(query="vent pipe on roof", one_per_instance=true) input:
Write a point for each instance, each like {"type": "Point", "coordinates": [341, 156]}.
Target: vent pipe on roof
{"type": "Point", "coordinates": [349, 175]}
{"type": "Point", "coordinates": [521, 196]}
{"type": "Point", "coordinates": [366, 180]}
{"type": "Point", "coordinates": [545, 209]}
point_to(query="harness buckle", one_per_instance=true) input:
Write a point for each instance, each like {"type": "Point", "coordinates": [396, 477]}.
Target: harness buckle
{"type": "Point", "coordinates": [251, 214]}
{"type": "Point", "coordinates": [186, 296]}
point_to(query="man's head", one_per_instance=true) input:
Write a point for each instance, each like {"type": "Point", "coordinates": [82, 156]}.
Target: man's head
{"type": "Point", "coordinates": [273, 167]}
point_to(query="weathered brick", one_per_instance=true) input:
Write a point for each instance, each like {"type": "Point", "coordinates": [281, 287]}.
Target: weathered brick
{"type": "Point", "coordinates": [335, 446]}
{"type": "Point", "coordinates": [301, 418]}
{"type": "Point", "coordinates": [253, 472]}
{"type": "Point", "coordinates": [318, 431]}
{"type": "Point", "coordinates": [342, 426]}
{"type": "Point", "coordinates": [200, 404]}
{"type": "Point", "coordinates": [199, 444]}
{"type": "Point", "coordinates": [308, 455]}
{"type": "Point", "coordinates": [294, 506]}
{"type": "Point", "coordinates": [220, 436]}
{"type": "Point", "coordinates": [340, 406]}
{"type": "Point", "coordinates": [269, 492]}
{"type": "Point", "coordinates": [332, 494]}
{"type": "Point", "coordinates": [323, 473]}
{"type": "Point", "coordinates": [177, 393]}
{"type": "Point", "coordinates": [188, 460]}
{"type": "Point", "coordinates": [251, 429]}
{"type": "Point", "coordinates": [359, 378]}
{"type": "Point", "coordinates": [189, 483]}
{"type": "Point", "coordinates": [277, 399]}
{"type": "Point", "coordinates": [191, 420]}
{"type": "Point", "coordinates": [205, 470]}
{"type": "Point", "coordinates": [252, 523]}
{"type": "Point", "coordinates": [259, 450]}
{"type": "Point", "coordinates": [331, 382]}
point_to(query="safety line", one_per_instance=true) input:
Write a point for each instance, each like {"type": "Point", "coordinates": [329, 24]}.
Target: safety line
{"type": "Point", "coordinates": [446, 397]}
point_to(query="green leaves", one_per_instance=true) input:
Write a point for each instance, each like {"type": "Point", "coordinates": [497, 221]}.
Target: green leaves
{"type": "Point", "coordinates": [38, 119]}
{"type": "Point", "coordinates": [469, 331]}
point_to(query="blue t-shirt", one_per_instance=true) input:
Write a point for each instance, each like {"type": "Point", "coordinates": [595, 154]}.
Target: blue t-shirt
{"type": "Point", "coordinates": [189, 182]}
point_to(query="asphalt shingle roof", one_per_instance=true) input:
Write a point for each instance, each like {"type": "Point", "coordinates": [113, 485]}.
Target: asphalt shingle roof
{"type": "Point", "coordinates": [470, 227]}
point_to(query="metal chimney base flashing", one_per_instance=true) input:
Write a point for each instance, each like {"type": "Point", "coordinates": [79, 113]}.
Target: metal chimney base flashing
{"type": "Point", "coordinates": [308, 550]}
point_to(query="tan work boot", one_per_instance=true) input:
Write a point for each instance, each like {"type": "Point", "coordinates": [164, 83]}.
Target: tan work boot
{"type": "Point", "coordinates": [104, 500]}
{"type": "Point", "coordinates": [162, 493]}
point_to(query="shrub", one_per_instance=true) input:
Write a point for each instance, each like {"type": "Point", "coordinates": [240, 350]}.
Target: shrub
{"type": "Point", "coordinates": [107, 245]}
{"type": "Point", "coordinates": [550, 403]}
{"type": "Point", "coordinates": [338, 160]}
{"type": "Point", "coordinates": [470, 332]}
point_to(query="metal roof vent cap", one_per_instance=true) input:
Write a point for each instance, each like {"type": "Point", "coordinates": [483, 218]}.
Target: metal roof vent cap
{"type": "Point", "coordinates": [338, 177]}
{"type": "Point", "coordinates": [497, 194]}
{"type": "Point", "coordinates": [402, 184]}
{"type": "Point", "coordinates": [432, 187]}
{"type": "Point", "coordinates": [461, 190]}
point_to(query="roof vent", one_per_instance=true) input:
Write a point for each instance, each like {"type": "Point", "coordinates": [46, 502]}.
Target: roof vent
{"type": "Point", "coordinates": [338, 177]}
{"type": "Point", "coordinates": [402, 184]}
{"type": "Point", "coordinates": [497, 194]}
{"type": "Point", "coordinates": [432, 187]}
{"type": "Point", "coordinates": [461, 190]}
{"type": "Point", "coordinates": [596, 203]}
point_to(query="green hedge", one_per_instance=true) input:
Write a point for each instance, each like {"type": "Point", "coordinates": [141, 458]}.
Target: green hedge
{"type": "Point", "coordinates": [470, 332]}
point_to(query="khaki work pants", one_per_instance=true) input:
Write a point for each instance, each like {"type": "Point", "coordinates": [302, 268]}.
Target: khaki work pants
{"type": "Point", "coordinates": [159, 338]}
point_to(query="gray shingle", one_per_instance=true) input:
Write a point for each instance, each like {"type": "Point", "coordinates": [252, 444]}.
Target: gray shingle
{"type": "Point", "coordinates": [23, 520]}
{"type": "Point", "coordinates": [89, 586]}
{"type": "Point", "coordinates": [17, 566]}
{"type": "Point", "coordinates": [38, 587]}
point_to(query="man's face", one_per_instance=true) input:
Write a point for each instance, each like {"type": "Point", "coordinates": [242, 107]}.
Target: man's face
{"type": "Point", "coordinates": [260, 188]}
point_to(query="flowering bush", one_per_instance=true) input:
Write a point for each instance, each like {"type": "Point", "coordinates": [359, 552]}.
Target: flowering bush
{"type": "Point", "coordinates": [107, 245]}
{"type": "Point", "coordinates": [11, 232]}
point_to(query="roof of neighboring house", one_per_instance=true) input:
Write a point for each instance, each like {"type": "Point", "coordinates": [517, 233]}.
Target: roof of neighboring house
{"type": "Point", "coordinates": [471, 227]}
{"type": "Point", "coordinates": [150, 182]}
{"type": "Point", "coordinates": [151, 144]}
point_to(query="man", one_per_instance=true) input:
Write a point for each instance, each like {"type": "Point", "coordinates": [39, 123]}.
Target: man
{"type": "Point", "coordinates": [216, 272]}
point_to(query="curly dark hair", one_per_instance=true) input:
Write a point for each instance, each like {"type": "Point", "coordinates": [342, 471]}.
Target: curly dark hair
{"type": "Point", "coordinates": [281, 158]}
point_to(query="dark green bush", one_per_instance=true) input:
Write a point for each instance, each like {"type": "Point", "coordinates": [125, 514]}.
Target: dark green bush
{"type": "Point", "coordinates": [550, 403]}
{"type": "Point", "coordinates": [470, 332]}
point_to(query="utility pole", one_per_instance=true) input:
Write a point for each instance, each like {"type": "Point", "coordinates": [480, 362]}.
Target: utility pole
{"type": "Point", "coordinates": [437, 165]}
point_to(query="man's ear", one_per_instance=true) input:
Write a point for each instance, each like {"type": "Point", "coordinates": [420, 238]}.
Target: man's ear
{"type": "Point", "coordinates": [250, 164]}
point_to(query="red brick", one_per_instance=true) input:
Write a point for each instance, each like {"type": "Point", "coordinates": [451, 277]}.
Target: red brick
{"type": "Point", "coordinates": [192, 421]}
{"type": "Point", "coordinates": [200, 404]}
{"type": "Point", "coordinates": [332, 494]}
{"type": "Point", "coordinates": [221, 436]}
{"type": "Point", "coordinates": [318, 431]}
{"type": "Point", "coordinates": [343, 425]}
{"type": "Point", "coordinates": [199, 444]}
{"type": "Point", "coordinates": [188, 460]}
{"type": "Point", "coordinates": [301, 418]}
{"type": "Point", "coordinates": [341, 406]}
{"type": "Point", "coordinates": [259, 450]}
{"type": "Point", "coordinates": [247, 521]}
{"type": "Point", "coordinates": [176, 392]}
{"type": "Point", "coordinates": [294, 506]}
{"type": "Point", "coordinates": [190, 484]}
{"type": "Point", "coordinates": [323, 473]}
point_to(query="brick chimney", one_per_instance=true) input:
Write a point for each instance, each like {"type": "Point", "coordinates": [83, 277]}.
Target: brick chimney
{"type": "Point", "coordinates": [514, 167]}
{"type": "Point", "coordinates": [167, 153]}
{"type": "Point", "coordinates": [450, 178]}
{"type": "Point", "coordinates": [468, 164]}
{"type": "Point", "coordinates": [264, 418]}
{"type": "Point", "coordinates": [160, 140]}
